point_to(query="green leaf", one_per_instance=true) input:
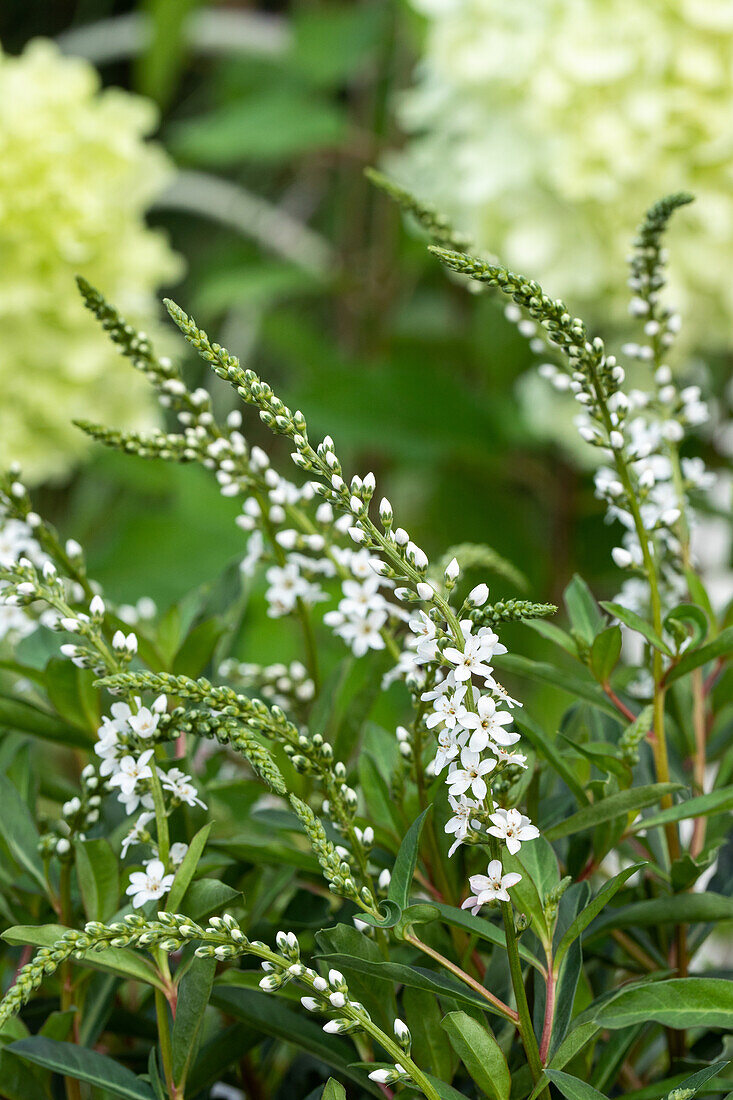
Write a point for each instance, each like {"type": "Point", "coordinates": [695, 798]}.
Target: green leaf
{"type": "Point", "coordinates": [582, 610]}
{"type": "Point", "coordinates": [379, 802]}
{"type": "Point", "coordinates": [692, 616]}
{"type": "Point", "coordinates": [198, 648]}
{"type": "Point", "coordinates": [582, 688]}
{"type": "Point", "coordinates": [674, 909]}
{"type": "Point", "coordinates": [16, 714]}
{"type": "Point", "coordinates": [405, 863]}
{"type": "Point", "coordinates": [19, 832]}
{"type": "Point", "coordinates": [635, 622]}
{"type": "Point", "coordinates": [115, 960]}
{"type": "Point", "coordinates": [84, 1065]}
{"type": "Point", "coordinates": [430, 1046]}
{"type": "Point", "coordinates": [332, 1090]}
{"type": "Point", "coordinates": [554, 634]}
{"type": "Point", "coordinates": [187, 870]}
{"type": "Point", "coordinates": [194, 991]}
{"type": "Point", "coordinates": [390, 914]}
{"type": "Point", "coordinates": [72, 694]}
{"type": "Point", "coordinates": [99, 882]}
{"type": "Point", "coordinates": [272, 1017]}
{"type": "Point", "coordinates": [675, 1002]}
{"type": "Point", "coordinates": [719, 801]}
{"type": "Point", "coordinates": [480, 1053]}
{"type": "Point", "coordinates": [207, 895]}
{"type": "Point", "coordinates": [614, 806]}
{"type": "Point", "coordinates": [722, 645]}
{"type": "Point", "coordinates": [573, 1043]}
{"type": "Point", "coordinates": [22, 1081]}
{"type": "Point", "coordinates": [547, 748]}
{"type": "Point", "coordinates": [572, 1087]}
{"type": "Point", "coordinates": [604, 653]}
{"type": "Point", "coordinates": [273, 124]}
{"type": "Point", "coordinates": [591, 911]}
{"type": "Point", "coordinates": [695, 1082]}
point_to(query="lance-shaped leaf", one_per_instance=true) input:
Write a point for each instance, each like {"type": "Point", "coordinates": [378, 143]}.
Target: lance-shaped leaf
{"type": "Point", "coordinates": [721, 646]}
{"type": "Point", "coordinates": [84, 1065]}
{"type": "Point", "coordinates": [675, 1002]}
{"type": "Point", "coordinates": [405, 863]}
{"type": "Point", "coordinates": [703, 805]}
{"type": "Point", "coordinates": [608, 809]}
{"type": "Point", "coordinates": [591, 911]}
{"type": "Point", "coordinates": [480, 1053]}
{"type": "Point", "coordinates": [635, 622]}
{"type": "Point", "coordinates": [573, 1088]}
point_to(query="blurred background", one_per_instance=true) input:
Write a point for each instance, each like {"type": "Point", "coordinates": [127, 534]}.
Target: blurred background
{"type": "Point", "coordinates": [215, 152]}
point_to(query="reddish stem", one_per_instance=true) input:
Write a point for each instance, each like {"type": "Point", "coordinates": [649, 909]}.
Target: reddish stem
{"type": "Point", "coordinates": [549, 1013]}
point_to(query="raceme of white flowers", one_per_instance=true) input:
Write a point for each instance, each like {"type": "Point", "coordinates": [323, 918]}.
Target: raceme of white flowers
{"type": "Point", "coordinates": [647, 426]}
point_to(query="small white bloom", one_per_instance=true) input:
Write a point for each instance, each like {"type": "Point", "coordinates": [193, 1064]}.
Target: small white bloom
{"type": "Point", "coordinates": [490, 887]}
{"type": "Point", "coordinates": [150, 884]}
{"type": "Point", "coordinates": [471, 775]}
{"type": "Point", "coordinates": [512, 827]}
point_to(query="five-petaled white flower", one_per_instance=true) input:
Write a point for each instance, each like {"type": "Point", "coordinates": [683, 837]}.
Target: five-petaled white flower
{"type": "Point", "coordinates": [144, 723]}
{"type": "Point", "coordinates": [450, 742]}
{"type": "Point", "coordinates": [130, 771]}
{"type": "Point", "coordinates": [478, 649]}
{"type": "Point", "coordinates": [513, 827]}
{"type": "Point", "coordinates": [150, 884]}
{"type": "Point", "coordinates": [490, 887]}
{"type": "Point", "coordinates": [448, 709]}
{"type": "Point", "coordinates": [363, 633]}
{"type": "Point", "coordinates": [488, 725]}
{"type": "Point", "coordinates": [138, 832]}
{"type": "Point", "coordinates": [180, 786]}
{"type": "Point", "coordinates": [471, 775]}
{"type": "Point", "coordinates": [462, 820]}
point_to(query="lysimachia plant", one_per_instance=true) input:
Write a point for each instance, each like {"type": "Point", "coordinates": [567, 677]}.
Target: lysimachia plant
{"type": "Point", "coordinates": [234, 861]}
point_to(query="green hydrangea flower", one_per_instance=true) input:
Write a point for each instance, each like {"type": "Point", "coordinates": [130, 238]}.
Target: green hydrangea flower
{"type": "Point", "coordinates": [76, 177]}
{"type": "Point", "coordinates": [544, 126]}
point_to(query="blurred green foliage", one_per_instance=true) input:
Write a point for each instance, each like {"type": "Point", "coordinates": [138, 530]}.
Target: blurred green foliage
{"type": "Point", "coordinates": [287, 103]}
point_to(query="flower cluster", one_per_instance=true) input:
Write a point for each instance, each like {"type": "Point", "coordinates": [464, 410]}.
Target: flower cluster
{"type": "Point", "coordinates": [541, 126]}
{"type": "Point", "coordinates": [642, 427]}
{"type": "Point", "coordinates": [458, 652]}
{"type": "Point", "coordinates": [76, 177]}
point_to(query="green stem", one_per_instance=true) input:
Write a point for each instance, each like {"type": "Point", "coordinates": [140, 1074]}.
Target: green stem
{"type": "Point", "coordinates": [526, 1030]}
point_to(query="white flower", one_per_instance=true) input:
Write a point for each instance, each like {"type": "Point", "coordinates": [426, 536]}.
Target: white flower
{"type": "Point", "coordinates": [180, 786]}
{"type": "Point", "coordinates": [512, 827]}
{"type": "Point", "coordinates": [424, 630]}
{"type": "Point", "coordinates": [450, 742]}
{"type": "Point", "coordinates": [130, 771]}
{"type": "Point", "coordinates": [462, 820]}
{"type": "Point", "coordinates": [363, 632]}
{"type": "Point", "coordinates": [487, 725]}
{"type": "Point", "coordinates": [144, 723]}
{"type": "Point", "coordinates": [447, 709]}
{"type": "Point", "coordinates": [490, 887]}
{"type": "Point", "coordinates": [177, 853]}
{"type": "Point", "coordinates": [504, 756]}
{"type": "Point", "coordinates": [478, 649]}
{"type": "Point", "coordinates": [137, 832]}
{"type": "Point", "coordinates": [471, 775]}
{"type": "Point", "coordinates": [150, 884]}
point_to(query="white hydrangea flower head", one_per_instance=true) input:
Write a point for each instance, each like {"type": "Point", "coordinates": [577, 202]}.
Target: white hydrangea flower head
{"type": "Point", "coordinates": [543, 127]}
{"type": "Point", "coordinates": [76, 177]}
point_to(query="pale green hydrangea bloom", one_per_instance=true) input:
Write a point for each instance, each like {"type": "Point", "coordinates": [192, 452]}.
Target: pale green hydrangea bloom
{"type": "Point", "coordinates": [544, 126]}
{"type": "Point", "coordinates": [76, 177]}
